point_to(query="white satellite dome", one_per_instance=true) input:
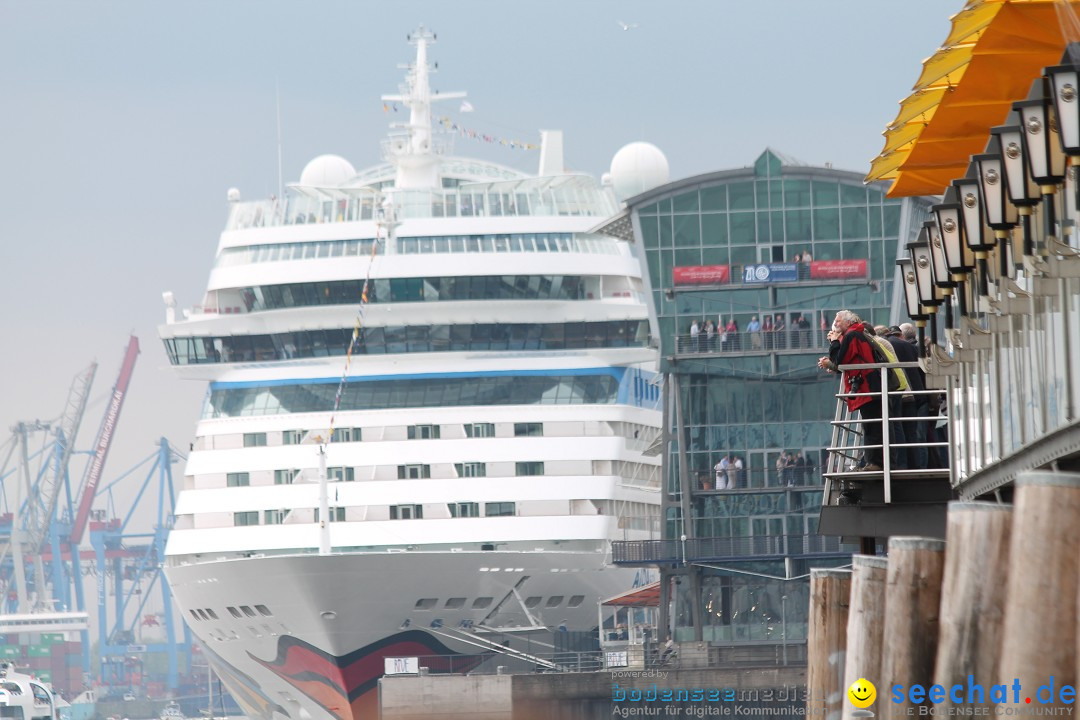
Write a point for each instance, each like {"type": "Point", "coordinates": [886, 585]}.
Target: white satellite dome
{"type": "Point", "coordinates": [638, 167]}
{"type": "Point", "coordinates": [327, 171]}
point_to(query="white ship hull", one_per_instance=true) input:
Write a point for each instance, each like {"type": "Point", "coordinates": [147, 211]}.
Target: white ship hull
{"type": "Point", "coordinates": [332, 619]}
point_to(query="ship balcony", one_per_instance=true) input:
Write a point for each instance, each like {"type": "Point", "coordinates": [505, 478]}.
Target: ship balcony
{"type": "Point", "coordinates": [878, 483]}
{"type": "Point", "coordinates": [723, 549]}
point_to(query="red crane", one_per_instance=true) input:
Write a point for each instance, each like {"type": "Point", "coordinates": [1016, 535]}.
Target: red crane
{"type": "Point", "coordinates": [104, 441]}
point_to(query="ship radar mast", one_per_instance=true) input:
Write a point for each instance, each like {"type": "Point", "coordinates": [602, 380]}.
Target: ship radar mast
{"type": "Point", "coordinates": [411, 147]}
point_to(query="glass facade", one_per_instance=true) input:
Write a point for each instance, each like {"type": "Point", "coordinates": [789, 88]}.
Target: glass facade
{"type": "Point", "coordinates": [749, 427]}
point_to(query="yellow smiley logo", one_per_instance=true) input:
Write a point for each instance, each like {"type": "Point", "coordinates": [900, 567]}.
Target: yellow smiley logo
{"type": "Point", "coordinates": [862, 693]}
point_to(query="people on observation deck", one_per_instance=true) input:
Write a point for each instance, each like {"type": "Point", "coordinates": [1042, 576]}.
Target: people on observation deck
{"type": "Point", "coordinates": [850, 346]}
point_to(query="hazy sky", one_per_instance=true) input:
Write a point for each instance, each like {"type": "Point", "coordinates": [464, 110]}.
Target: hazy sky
{"type": "Point", "coordinates": [122, 125]}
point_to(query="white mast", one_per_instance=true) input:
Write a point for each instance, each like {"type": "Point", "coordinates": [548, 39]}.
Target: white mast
{"type": "Point", "coordinates": [413, 151]}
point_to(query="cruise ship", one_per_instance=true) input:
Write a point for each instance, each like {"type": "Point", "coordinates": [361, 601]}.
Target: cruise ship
{"type": "Point", "coordinates": [431, 406]}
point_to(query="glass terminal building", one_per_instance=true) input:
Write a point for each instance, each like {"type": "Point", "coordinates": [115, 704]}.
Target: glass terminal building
{"type": "Point", "coordinates": [747, 269]}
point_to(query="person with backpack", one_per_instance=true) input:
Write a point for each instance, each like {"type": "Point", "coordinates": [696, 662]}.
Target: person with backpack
{"type": "Point", "coordinates": [913, 405]}
{"type": "Point", "coordinates": [850, 345]}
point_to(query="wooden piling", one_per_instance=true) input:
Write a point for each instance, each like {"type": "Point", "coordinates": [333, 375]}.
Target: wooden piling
{"type": "Point", "coordinates": [866, 625]}
{"type": "Point", "coordinates": [912, 605]}
{"type": "Point", "coordinates": [826, 639]}
{"type": "Point", "coordinates": [973, 600]}
{"type": "Point", "coordinates": [1039, 635]}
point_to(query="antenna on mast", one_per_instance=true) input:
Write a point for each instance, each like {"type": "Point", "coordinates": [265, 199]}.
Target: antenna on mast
{"type": "Point", "coordinates": [412, 148]}
{"type": "Point", "coordinates": [280, 181]}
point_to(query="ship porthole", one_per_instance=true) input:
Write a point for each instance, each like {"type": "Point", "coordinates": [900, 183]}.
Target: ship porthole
{"type": "Point", "coordinates": [328, 614]}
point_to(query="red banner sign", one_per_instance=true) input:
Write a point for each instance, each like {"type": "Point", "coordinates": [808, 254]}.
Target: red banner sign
{"type": "Point", "coordinates": [832, 269]}
{"type": "Point", "coordinates": [701, 274]}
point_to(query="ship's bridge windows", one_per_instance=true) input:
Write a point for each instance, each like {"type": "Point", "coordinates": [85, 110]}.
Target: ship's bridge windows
{"type": "Point", "coordinates": [194, 614]}
{"type": "Point", "coordinates": [238, 479]}
{"type": "Point", "coordinates": [234, 612]}
{"type": "Point", "coordinates": [247, 610]}
{"type": "Point", "coordinates": [482, 602]}
{"type": "Point", "coordinates": [406, 512]}
{"type": "Point", "coordinates": [528, 429]}
{"type": "Point", "coordinates": [499, 509]}
{"type": "Point", "coordinates": [41, 695]}
{"type": "Point", "coordinates": [413, 472]}
{"type": "Point", "coordinates": [479, 430]}
{"type": "Point", "coordinates": [423, 432]}
{"type": "Point", "coordinates": [425, 603]}
{"type": "Point", "coordinates": [263, 610]}
{"type": "Point", "coordinates": [554, 601]}
{"type": "Point", "coordinates": [455, 603]}
{"type": "Point", "coordinates": [255, 439]}
{"type": "Point", "coordinates": [531, 602]}
{"type": "Point", "coordinates": [212, 614]}
{"type": "Point", "coordinates": [246, 518]}
{"type": "Point", "coordinates": [464, 510]}
{"type": "Point", "coordinates": [471, 469]}
{"type": "Point", "coordinates": [575, 601]}
{"type": "Point", "coordinates": [530, 467]}
{"type": "Point", "coordinates": [412, 393]}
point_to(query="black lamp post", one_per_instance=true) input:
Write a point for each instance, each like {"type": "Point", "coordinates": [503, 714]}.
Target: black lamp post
{"type": "Point", "coordinates": [939, 269]}
{"type": "Point", "coordinates": [958, 257]}
{"type": "Point", "coordinates": [1065, 84]}
{"type": "Point", "coordinates": [1001, 215]}
{"type": "Point", "coordinates": [1046, 159]}
{"type": "Point", "coordinates": [911, 299]}
{"type": "Point", "coordinates": [1022, 188]}
{"type": "Point", "coordinates": [978, 240]}
{"type": "Point", "coordinates": [929, 298]}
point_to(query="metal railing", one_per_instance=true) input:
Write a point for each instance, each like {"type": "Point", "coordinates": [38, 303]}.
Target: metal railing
{"type": "Point", "coordinates": [634, 552]}
{"type": "Point", "coordinates": [653, 655]}
{"type": "Point", "coordinates": [496, 663]}
{"type": "Point", "coordinates": [847, 459]}
{"type": "Point", "coordinates": [751, 343]}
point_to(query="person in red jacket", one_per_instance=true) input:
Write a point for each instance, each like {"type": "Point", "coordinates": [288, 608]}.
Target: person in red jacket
{"type": "Point", "coordinates": [848, 346]}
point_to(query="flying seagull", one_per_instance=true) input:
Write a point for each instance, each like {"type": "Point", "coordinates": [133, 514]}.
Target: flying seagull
{"type": "Point", "coordinates": [626, 26]}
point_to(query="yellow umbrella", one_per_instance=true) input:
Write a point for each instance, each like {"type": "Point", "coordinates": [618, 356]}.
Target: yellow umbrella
{"type": "Point", "coordinates": [994, 50]}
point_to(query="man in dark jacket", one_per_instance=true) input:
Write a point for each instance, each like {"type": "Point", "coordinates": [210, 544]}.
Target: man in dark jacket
{"type": "Point", "coordinates": [849, 346]}
{"type": "Point", "coordinates": [914, 405]}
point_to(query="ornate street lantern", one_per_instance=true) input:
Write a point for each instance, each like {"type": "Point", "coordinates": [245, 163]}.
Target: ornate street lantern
{"type": "Point", "coordinates": [1043, 150]}
{"type": "Point", "coordinates": [1023, 190]}
{"type": "Point", "coordinates": [976, 235]}
{"type": "Point", "coordinates": [911, 299]}
{"type": "Point", "coordinates": [929, 296]}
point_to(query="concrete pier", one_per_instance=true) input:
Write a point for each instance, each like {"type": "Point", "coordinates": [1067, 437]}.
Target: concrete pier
{"type": "Point", "coordinates": [592, 696]}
